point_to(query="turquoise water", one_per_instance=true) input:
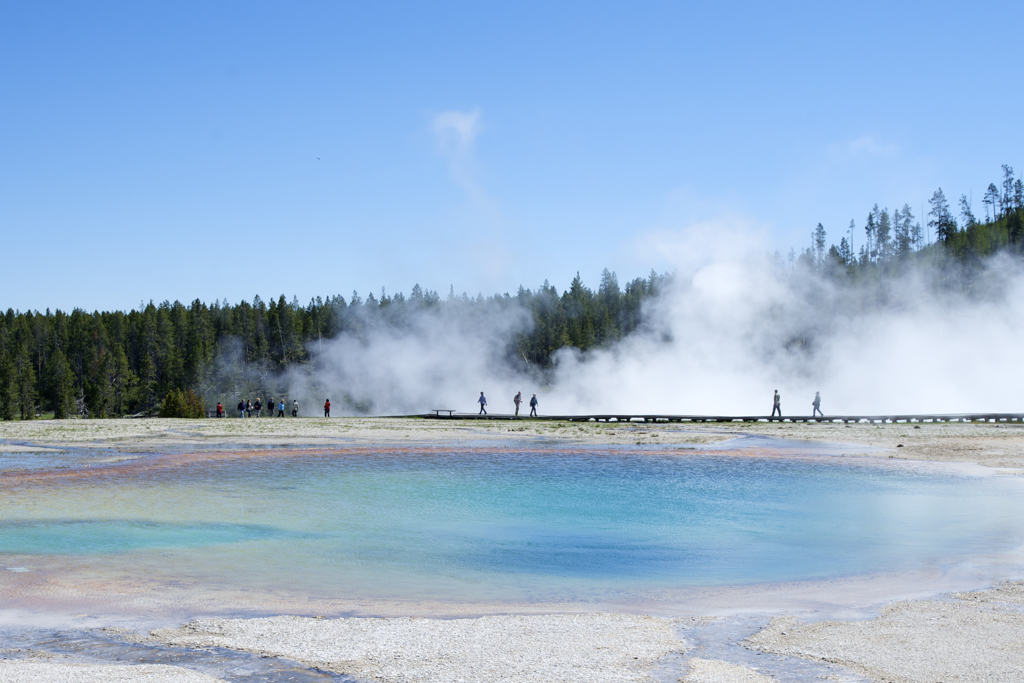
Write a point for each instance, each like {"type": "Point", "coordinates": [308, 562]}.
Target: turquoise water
{"type": "Point", "coordinates": [501, 524]}
{"type": "Point", "coordinates": [88, 537]}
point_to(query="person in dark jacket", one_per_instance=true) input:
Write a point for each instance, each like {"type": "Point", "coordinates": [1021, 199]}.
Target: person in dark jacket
{"type": "Point", "coordinates": [777, 404]}
{"type": "Point", "coordinates": [241, 409]}
{"type": "Point", "coordinates": [483, 404]}
{"type": "Point", "coordinates": [517, 400]}
{"type": "Point", "coordinates": [533, 406]}
{"type": "Point", "coordinates": [817, 404]}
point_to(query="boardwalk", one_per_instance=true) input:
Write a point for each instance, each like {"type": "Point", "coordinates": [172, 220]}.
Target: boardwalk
{"type": "Point", "coordinates": [641, 417]}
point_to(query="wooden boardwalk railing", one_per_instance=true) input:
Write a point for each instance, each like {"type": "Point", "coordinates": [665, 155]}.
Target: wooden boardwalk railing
{"type": "Point", "coordinates": [643, 417]}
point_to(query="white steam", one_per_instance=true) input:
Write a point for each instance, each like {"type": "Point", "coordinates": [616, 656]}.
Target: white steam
{"type": "Point", "coordinates": [717, 341]}
{"type": "Point", "coordinates": [723, 340]}
{"type": "Point", "coordinates": [439, 358]}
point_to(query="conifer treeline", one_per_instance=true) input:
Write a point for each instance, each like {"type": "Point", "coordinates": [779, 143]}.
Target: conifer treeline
{"type": "Point", "coordinates": [109, 364]}
{"type": "Point", "coordinates": [892, 242]}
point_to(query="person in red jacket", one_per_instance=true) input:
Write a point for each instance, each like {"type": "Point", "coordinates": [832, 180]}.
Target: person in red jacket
{"type": "Point", "coordinates": [220, 410]}
{"type": "Point", "coordinates": [327, 408]}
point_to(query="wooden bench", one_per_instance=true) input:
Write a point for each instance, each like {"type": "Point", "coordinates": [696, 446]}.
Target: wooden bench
{"type": "Point", "coordinates": [437, 411]}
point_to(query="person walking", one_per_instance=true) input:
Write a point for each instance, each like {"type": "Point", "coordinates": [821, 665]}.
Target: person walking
{"type": "Point", "coordinates": [817, 404]}
{"type": "Point", "coordinates": [241, 409]}
{"type": "Point", "coordinates": [533, 406]}
{"type": "Point", "coordinates": [258, 407]}
{"type": "Point", "coordinates": [777, 405]}
{"type": "Point", "coordinates": [220, 409]}
{"type": "Point", "coordinates": [295, 408]}
{"type": "Point", "coordinates": [270, 406]}
{"type": "Point", "coordinates": [248, 408]}
{"type": "Point", "coordinates": [517, 400]}
{"type": "Point", "coordinates": [327, 408]}
{"type": "Point", "coordinates": [280, 409]}
{"type": "Point", "coordinates": [483, 404]}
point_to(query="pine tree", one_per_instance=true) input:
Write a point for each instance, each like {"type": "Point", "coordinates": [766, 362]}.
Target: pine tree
{"type": "Point", "coordinates": [122, 381]}
{"type": "Point", "coordinates": [1007, 196]}
{"type": "Point", "coordinates": [991, 202]}
{"type": "Point", "coordinates": [883, 234]}
{"type": "Point", "coordinates": [147, 382]}
{"type": "Point", "coordinates": [8, 394]}
{"type": "Point", "coordinates": [942, 220]}
{"type": "Point", "coordinates": [62, 386]}
{"type": "Point", "coordinates": [819, 245]}
{"type": "Point", "coordinates": [869, 230]}
{"type": "Point", "coordinates": [25, 384]}
{"type": "Point", "coordinates": [844, 253]}
{"type": "Point", "coordinates": [966, 215]}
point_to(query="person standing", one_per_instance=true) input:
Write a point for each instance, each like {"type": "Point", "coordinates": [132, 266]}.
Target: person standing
{"type": "Point", "coordinates": [817, 404]}
{"type": "Point", "coordinates": [295, 408]}
{"type": "Point", "coordinates": [270, 405]}
{"type": "Point", "coordinates": [327, 408]}
{"type": "Point", "coordinates": [258, 407]}
{"type": "Point", "coordinates": [517, 400]}
{"type": "Point", "coordinates": [777, 404]}
{"type": "Point", "coordinates": [533, 406]}
{"type": "Point", "coordinates": [483, 404]}
{"type": "Point", "coordinates": [248, 408]}
{"type": "Point", "coordinates": [280, 409]}
{"type": "Point", "coordinates": [220, 409]}
{"type": "Point", "coordinates": [241, 409]}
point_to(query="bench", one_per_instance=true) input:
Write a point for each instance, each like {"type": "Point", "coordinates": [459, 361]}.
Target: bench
{"type": "Point", "coordinates": [437, 411]}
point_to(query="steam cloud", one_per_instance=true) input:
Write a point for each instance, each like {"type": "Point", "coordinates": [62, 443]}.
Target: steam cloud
{"type": "Point", "coordinates": [718, 340]}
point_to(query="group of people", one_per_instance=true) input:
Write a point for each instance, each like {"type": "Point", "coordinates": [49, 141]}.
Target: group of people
{"type": "Point", "coordinates": [816, 404]}
{"type": "Point", "coordinates": [517, 399]}
{"type": "Point", "coordinates": [247, 408]}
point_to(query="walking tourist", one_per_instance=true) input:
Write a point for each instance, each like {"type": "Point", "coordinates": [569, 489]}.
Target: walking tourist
{"type": "Point", "coordinates": [220, 410]}
{"type": "Point", "coordinates": [817, 404]}
{"type": "Point", "coordinates": [777, 405]}
{"type": "Point", "coordinates": [483, 404]}
{"type": "Point", "coordinates": [533, 406]}
{"type": "Point", "coordinates": [327, 408]}
{"type": "Point", "coordinates": [295, 408]}
{"type": "Point", "coordinates": [248, 408]}
{"type": "Point", "coordinates": [280, 409]}
{"type": "Point", "coordinates": [241, 409]}
{"type": "Point", "coordinates": [517, 400]}
{"type": "Point", "coordinates": [258, 407]}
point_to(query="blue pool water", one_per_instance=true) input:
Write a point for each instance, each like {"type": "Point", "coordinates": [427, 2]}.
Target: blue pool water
{"type": "Point", "coordinates": [78, 537]}
{"type": "Point", "coordinates": [502, 524]}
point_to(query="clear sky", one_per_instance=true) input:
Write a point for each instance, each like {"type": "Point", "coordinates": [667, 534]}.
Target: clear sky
{"type": "Point", "coordinates": [206, 150]}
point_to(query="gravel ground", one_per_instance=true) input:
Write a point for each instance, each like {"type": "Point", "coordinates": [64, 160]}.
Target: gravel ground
{"type": "Point", "coordinates": [999, 445]}
{"type": "Point", "coordinates": [154, 434]}
{"type": "Point", "coordinates": [979, 637]}
{"type": "Point", "coordinates": [31, 671]}
{"type": "Point", "coordinates": [993, 445]}
{"type": "Point", "coordinates": [714, 671]}
{"type": "Point", "coordinates": [604, 648]}
{"type": "Point", "coordinates": [975, 636]}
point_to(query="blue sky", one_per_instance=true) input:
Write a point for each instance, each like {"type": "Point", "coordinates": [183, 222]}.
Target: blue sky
{"type": "Point", "coordinates": [222, 150]}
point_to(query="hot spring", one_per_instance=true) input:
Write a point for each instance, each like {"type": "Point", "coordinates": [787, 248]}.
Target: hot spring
{"type": "Point", "coordinates": [486, 525]}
